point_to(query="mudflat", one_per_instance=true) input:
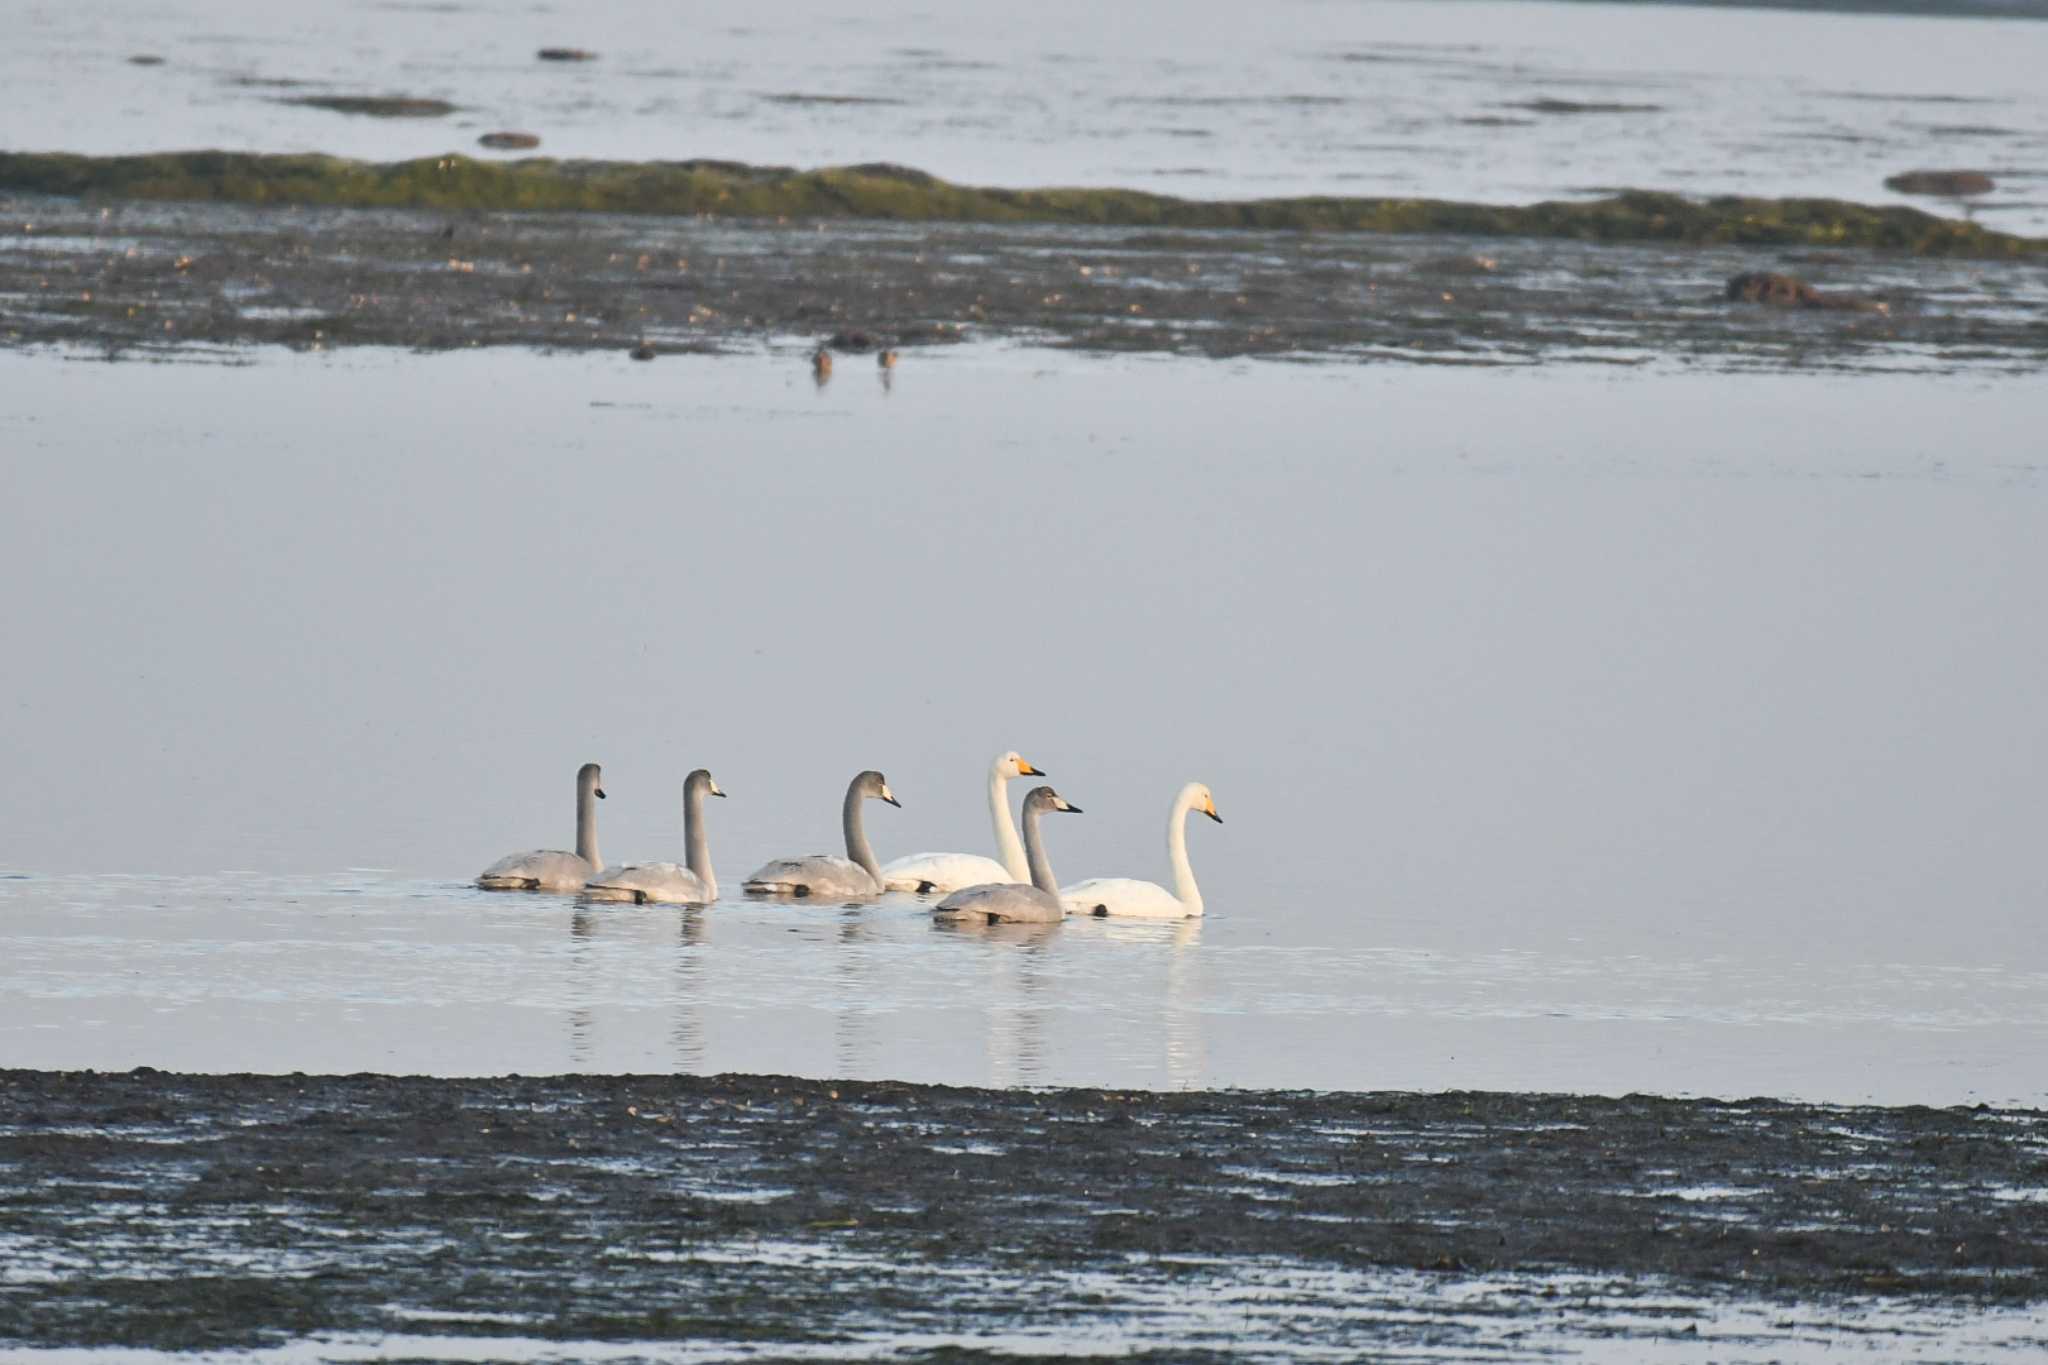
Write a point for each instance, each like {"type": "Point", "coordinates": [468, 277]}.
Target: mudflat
{"type": "Point", "coordinates": [132, 277]}
{"type": "Point", "coordinates": [178, 1211]}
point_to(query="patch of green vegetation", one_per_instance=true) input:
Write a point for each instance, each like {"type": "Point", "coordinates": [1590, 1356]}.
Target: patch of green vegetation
{"type": "Point", "coordinates": [728, 189]}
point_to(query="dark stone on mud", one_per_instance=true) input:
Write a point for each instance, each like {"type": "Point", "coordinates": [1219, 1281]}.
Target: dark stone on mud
{"type": "Point", "coordinates": [1557, 106]}
{"type": "Point", "coordinates": [566, 54]}
{"type": "Point", "coordinates": [1941, 184]}
{"type": "Point", "coordinates": [509, 142]}
{"type": "Point", "coordinates": [852, 340]}
{"type": "Point", "coordinates": [1789, 291]}
{"type": "Point", "coordinates": [145, 59]}
{"type": "Point", "coordinates": [644, 351]}
{"type": "Point", "coordinates": [376, 106]}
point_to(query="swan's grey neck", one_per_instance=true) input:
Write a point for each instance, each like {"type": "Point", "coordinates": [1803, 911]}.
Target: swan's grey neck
{"type": "Point", "coordinates": [696, 843]}
{"type": "Point", "coordinates": [1008, 851]}
{"type": "Point", "coordinates": [856, 835]}
{"type": "Point", "coordinates": [586, 823]}
{"type": "Point", "coordinates": [1034, 850]}
{"type": "Point", "coordinates": [1184, 888]}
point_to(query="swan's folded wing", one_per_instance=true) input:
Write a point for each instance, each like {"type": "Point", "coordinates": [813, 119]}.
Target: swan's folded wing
{"type": "Point", "coordinates": [543, 869]}
{"type": "Point", "coordinates": [942, 872]}
{"type": "Point", "coordinates": [821, 874]}
{"type": "Point", "coordinates": [671, 883]}
{"type": "Point", "coordinates": [1121, 896]}
{"type": "Point", "coordinates": [1009, 902]}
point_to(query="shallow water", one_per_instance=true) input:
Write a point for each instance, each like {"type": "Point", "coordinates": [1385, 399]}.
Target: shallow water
{"type": "Point", "coordinates": [1574, 730]}
{"type": "Point", "coordinates": [1498, 102]}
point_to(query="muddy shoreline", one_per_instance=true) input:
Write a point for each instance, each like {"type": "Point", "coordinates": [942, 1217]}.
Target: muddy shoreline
{"type": "Point", "coordinates": [175, 1211]}
{"type": "Point", "coordinates": [135, 278]}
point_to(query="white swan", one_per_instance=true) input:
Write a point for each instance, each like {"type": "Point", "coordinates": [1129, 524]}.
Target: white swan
{"type": "Point", "coordinates": [1007, 902]}
{"type": "Point", "coordinates": [669, 883]}
{"type": "Point", "coordinates": [949, 871]}
{"type": "Point", "coordinates": [821, 874]}
{"type": "Point", "coordinates": [547, 869]}
{"type": "Point", "coordinates": [1123, 896]}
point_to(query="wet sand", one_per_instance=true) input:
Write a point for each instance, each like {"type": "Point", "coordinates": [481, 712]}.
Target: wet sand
{"type": "Point", "coordinates": [167, 1211]}
{"type": "Point", "coordinates": [136, 277]}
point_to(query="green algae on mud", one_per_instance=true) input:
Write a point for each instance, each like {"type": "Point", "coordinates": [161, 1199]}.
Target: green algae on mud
{"type": "Point", "coordinates": [734, 190]}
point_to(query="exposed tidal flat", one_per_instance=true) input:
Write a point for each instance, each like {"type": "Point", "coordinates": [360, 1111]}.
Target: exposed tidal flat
{"type": "Point", "coordinates": [658, 1217]}
{"type": "Point", "coordinates": [719, 258]}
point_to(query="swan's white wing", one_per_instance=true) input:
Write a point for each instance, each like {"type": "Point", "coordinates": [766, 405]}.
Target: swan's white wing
{"type": "Point", "coordinates": [669, 883]}
{"type": "Point", "coordinates": [941, 872]}
{"type": "Point", "coordinates": [1121, 896]}
{"type": "Point", "coordinates": [544, 869]}
{"type": "Point", "coordinates": [821, 874]}
{"type": "Point", "coordinates": [1009, 902]}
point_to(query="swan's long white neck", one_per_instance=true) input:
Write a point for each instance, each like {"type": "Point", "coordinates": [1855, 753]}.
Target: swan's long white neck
{"type": "Point", "coordinates": [856, 835]}
{"type": "Point", "coordinates": [1184, 888]}
{"type": "Point", "coordinates": [1008, 851]}
{"type": "Point", "coordinates": [586, 823]}
{"type": "Point", "coordinates": [695, 840]}
{"type": "Point", "coordinates": [1034, 851]}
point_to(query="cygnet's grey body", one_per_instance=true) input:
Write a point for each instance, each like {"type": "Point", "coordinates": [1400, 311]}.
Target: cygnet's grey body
{"type": "Point", "coordinates": [693, 883]}
{"type": "Point", "coordinates": [1008, 902]}
{"type": "Point", "coordinates": [821, 874]}
{"type": "Point", "coordinates": [550, 869]}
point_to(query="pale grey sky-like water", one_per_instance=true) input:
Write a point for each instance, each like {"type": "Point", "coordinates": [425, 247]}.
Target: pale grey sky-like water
{"type": "Point", "coordinates": [1574, 729]}
{"type": "Point", "coordinates": [1489, 100]}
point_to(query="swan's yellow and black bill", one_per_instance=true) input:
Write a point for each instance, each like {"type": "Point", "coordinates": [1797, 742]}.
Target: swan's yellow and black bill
{"type": "Point", "coordinates": [1213, 816]}
{"type": "Point", "coordinates": [1028, 770]}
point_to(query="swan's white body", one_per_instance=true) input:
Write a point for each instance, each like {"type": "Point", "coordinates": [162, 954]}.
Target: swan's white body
{"type": "Point", "coordinates": [942, 872]}
{"type": "Point", "coordinates": [1124, 896]}
{"type": "Point", "coordinates": [669, 883]}
{"type": "Point", "coordinates": [822, 874]}
{"type": "Point", "coordinates": [1007, 902]}
{"type": "Point", "coordinates": [550, 869]}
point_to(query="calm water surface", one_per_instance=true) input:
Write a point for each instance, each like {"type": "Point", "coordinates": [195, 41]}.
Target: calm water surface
{"type": "Point", "coordinates": [1498, 102]}
{"type": "Point", "coordinates": [1574, 729]}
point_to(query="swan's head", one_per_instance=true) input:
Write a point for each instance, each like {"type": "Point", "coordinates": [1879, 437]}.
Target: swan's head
{"type": "Point", "coordinates": [1201, 800]}
{"type": "Point", "coordinates": [703, 778]}
{"type": "Point", "coordinates": [872, 783]}
{"type": "Point", "coordinates": [1045, 798]}
{"type": "Point", "coordinates": [590, 778]}
{"type": "Point", "coordinates": [1014, 764]}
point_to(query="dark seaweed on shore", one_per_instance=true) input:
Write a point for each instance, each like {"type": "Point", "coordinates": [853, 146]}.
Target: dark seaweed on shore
{"type": "Point", "coordinates": [726, 189]}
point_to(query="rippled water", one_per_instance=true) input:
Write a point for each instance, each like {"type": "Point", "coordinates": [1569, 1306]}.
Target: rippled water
{"type": "Point", "coordinates": [1574, 731]}
{"type": "Point", "coordinates": [1500, 102]}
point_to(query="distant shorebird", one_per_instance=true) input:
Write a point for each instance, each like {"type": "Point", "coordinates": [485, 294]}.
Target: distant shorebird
{"type": "Point", "coordinates": [821, 365]}
{"type": "Point", "coordinates": [886, 359]}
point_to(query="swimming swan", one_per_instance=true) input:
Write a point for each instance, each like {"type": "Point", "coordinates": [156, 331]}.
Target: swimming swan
{"type": "Point", "coordinates": [669, 883]}
{"type": "Point", "coordinates": [821, 874]}
{"type": "Point", "coordinates": [950, 871]}
{"type": "Point", "coordinates": [547, 869]}
{"type": "Point", "coordinates": [1006, 902]}
{"type": "Point", "coordinates": [1123, 896]}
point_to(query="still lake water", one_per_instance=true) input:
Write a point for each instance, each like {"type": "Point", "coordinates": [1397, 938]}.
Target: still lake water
{"type": "Point", "coordinates": [1492, 100]}
{"type": "Point", "coordinates": [1575, 729]}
